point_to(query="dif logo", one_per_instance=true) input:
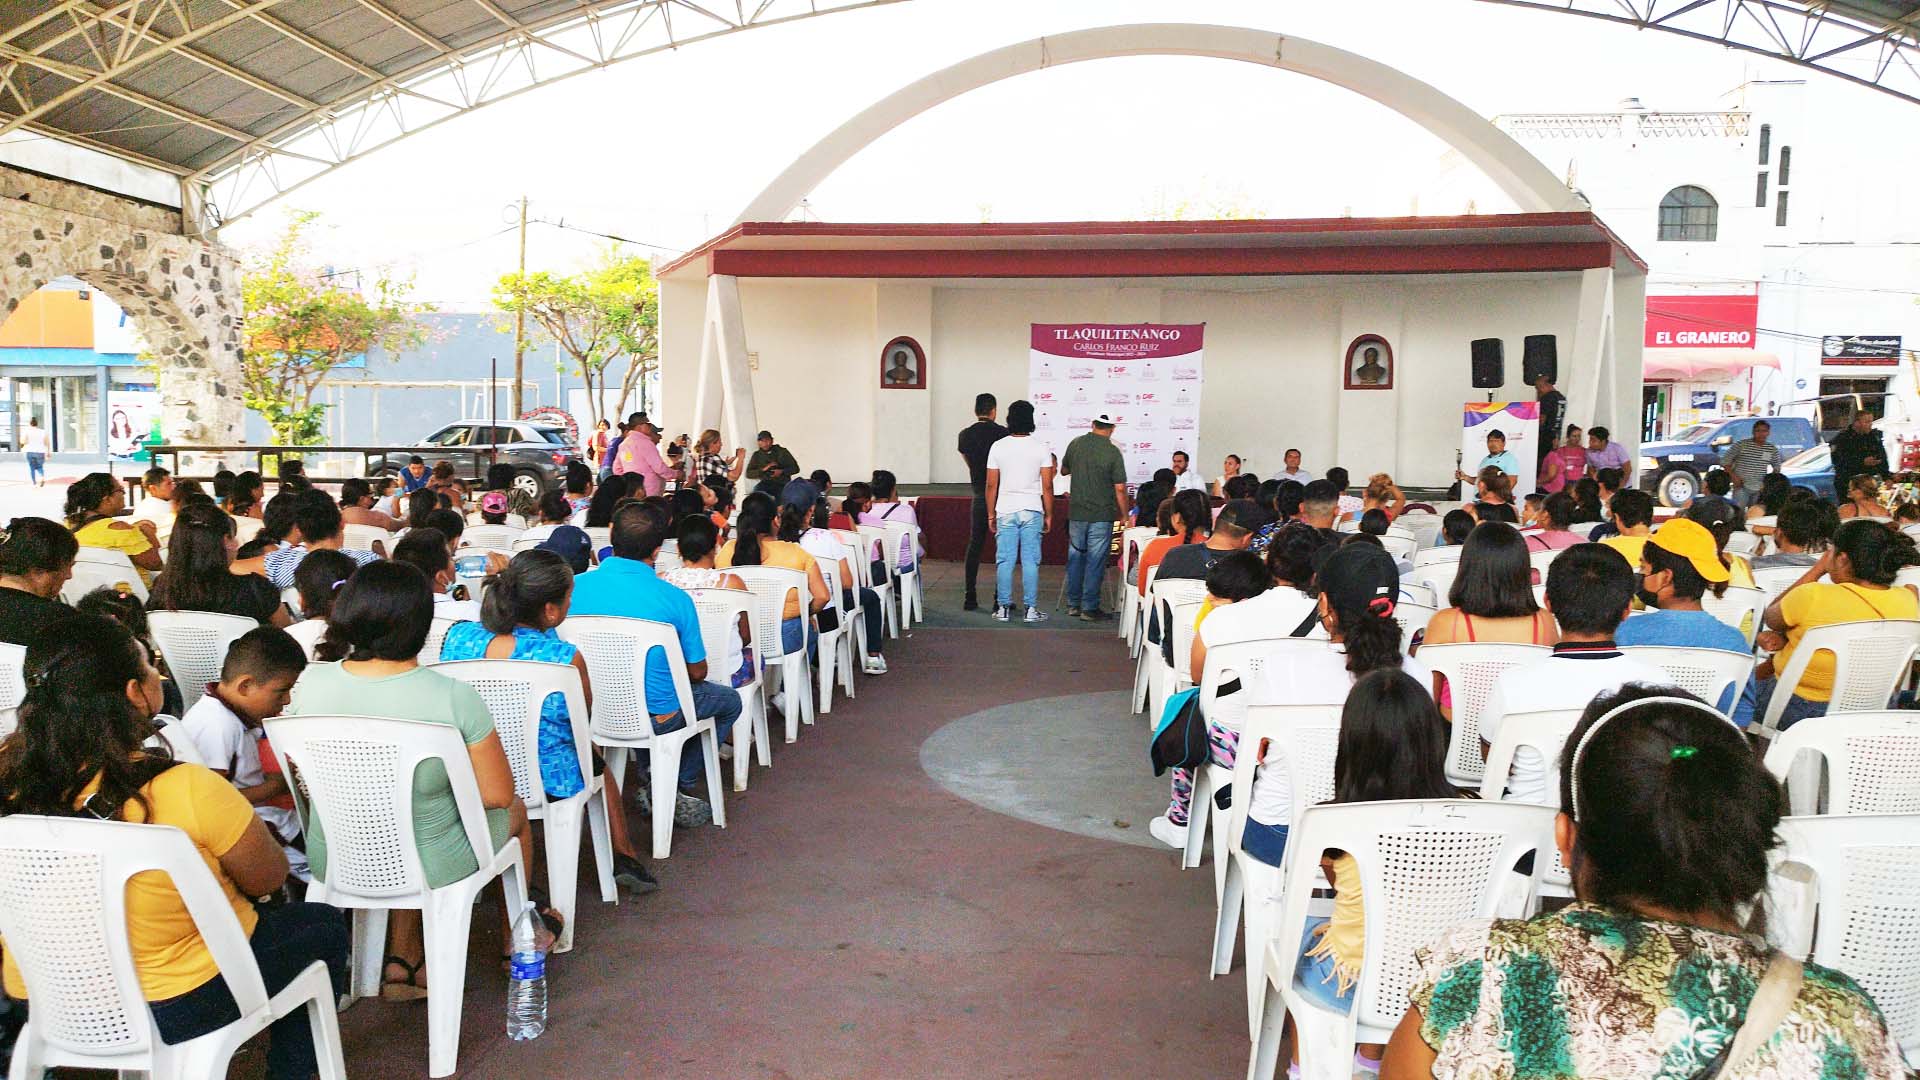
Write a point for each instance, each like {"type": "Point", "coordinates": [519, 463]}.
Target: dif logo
{"type": "Point", "coordinates": [1146, 447]}
{"type": "Point", "coordinates": [1119, 371]}
{"type": "Point", "coordinates": [1043, 397]}
{"type": "Point", "coordinates": [1146, 397]}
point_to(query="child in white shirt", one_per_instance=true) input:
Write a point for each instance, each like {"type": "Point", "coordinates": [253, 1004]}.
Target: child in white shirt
{"type": "Point", "coordinates": [256, 681]}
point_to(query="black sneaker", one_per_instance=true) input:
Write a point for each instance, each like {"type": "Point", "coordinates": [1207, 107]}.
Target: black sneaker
{"type": "Point", "coordinates": [971, 604]}
{"type": "Point", "coordinates": [632, 875]}
{"type": "Point", "coordinates": [1095, 616]}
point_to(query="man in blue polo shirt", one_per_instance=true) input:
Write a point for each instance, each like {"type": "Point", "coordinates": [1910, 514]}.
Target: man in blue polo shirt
{"type": "Point", "coordinates": [625, 585]}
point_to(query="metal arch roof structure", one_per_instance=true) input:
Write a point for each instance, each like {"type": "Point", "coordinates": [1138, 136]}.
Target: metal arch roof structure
{"type": "Point", "coordinates": [247, 100]}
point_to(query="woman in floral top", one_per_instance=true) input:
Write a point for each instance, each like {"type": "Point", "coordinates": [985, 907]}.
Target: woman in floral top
{"type": "Point", "coordinates": [1651, 973]}
{"type": "Point", "coordinates": [523, 605]}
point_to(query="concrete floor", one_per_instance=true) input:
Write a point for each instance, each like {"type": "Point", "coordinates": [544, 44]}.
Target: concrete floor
{"type": "Point", "coordinates": [860, 919]}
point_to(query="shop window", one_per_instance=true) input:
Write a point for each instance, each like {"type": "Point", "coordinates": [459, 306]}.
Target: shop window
{"type": "Point", "coordinates": [1688, 213]}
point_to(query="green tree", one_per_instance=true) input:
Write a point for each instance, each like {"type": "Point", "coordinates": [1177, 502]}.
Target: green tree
{"type": "Point", "coordinates": [301, 323]}
{"type": "Point", "coordinates": [606, 318]}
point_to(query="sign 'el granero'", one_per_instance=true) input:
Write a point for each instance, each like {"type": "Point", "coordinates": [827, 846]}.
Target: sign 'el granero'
{"type": "Point", "coordinates": [1700, 321]}
{"type": "Point", "coordinates": [1860, 350]}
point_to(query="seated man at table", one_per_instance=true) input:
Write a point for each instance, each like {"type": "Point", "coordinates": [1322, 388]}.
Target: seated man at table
{"type": "Point", "coordinates": [625, 584]}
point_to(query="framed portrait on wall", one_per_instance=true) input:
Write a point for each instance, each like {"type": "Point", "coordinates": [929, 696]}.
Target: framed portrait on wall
{"type": "Point", "coordinates": [903, 365]}
{"type": "Point", "coordinates": [1369, 364]}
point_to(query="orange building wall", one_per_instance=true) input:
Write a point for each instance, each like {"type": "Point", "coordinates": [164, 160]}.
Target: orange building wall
{"type": "Point", "coordinates": [50, 318]}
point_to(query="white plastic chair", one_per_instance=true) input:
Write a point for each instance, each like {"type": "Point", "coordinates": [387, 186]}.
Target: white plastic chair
{"type": "Point", "coordinates": [1161, 595]}
{"type": "Point", "coordinates": [1438, 576]}
{"type": "Point", "coordinates": [860, 557]}
{"type": "Point", "coordinates": [667, 558]}
{"type": "Point", "coordinates": [436, 636]}
{"type": "Point", "coordinates": [1136, 616]}
{"type": "Point", "coordinates": [246, 528]}
{"type": "Point", "coordinates": [1400, 545]}
{"type": "Point", "coordinates": [13, 675]}
{"type": "Point", "coordinates": [366, 537]}
{"type": "Point", "coordinates": [903, 547]}
{"type": "Point", "coordinates": [1872, 762]}
{"type": "Point", "coordinates": [498, 538]}
{"type": "Point", "coordinates": [515, 691]}
{"type": "Point", "coordinates": [617, 651]}
{"type": "Point", "coordinates": [1866, 884]}
{"type": "Point", "coordinates": [175, 740]}
{"type": "Point", "coordinates": [1743, 543]}
{"type": "Point", "coordinates": [1413, 620]}
{"type": "Point", "coordinates": [1166, 679]}
{"type": "Point", "coordinates": [1739, 607]}
{"type": "Point", "coordinates": [195, 644]}
{"type": "Point", "coordinates": [1546, 733]}
{"type": "Point", "coordinates": [1425, 867]}
{"type": "Point", "coordinates": [1470, 668]}
{"type": "Point", "coordinates": [63, 884]}
{"type": "Point", "coordinates": [1126, 596]}
{"type": "Point", "coordinates": [97, 567]}
{"type": "Point", "coordinates": [1429, 556]}
{"type": "Point", "coordinates": [1303, 741]}
{"type": "Point", "coordinates": [720, 611]}
{"type": "Point", "coordinates": [856, 637]}
{"type": "Point", "coordinates": [1542, 560]}
{"type": "Point", "coordinates": [1712, 675]}
{"type": "Point", "coordinates": [601, 535]}
{"type": "Point", "coordinates": [772, 587]}
{"type": "Point", "coordinates": [308, 633]}
{"type": "Point", "coordinates": [836, 645]}
{"type": "Point", "coordinates": [1870, 660]}
{"type": "Point", "coordinates": [1774, 580]}
{"type": "Point", "coordinates": [356, 779]}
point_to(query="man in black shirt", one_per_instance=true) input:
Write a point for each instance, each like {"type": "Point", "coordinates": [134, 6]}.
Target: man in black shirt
{"type": "Point", "coordinates": [1857, 450]}
{"type": "Point", "coordinates": [1553, 413]}
{"type": "Point", "coordinates": [975, 441]}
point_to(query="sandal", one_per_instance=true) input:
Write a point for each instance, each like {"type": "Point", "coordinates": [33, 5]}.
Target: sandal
{"type": "Point", "coordinates": [407, 989]}
{"type": "Point", "coordinates": [549, 916]}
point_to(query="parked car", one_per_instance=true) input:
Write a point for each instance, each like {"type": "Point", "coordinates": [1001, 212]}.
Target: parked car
{"type": "Point", "coordinates": [538, 453]}
{"type": "Point", "coordinates": [1673, 469]}
{"type": "Point", "coordinates": [1812, 468]}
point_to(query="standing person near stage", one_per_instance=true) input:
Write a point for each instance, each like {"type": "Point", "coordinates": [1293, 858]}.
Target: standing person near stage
{"type": "Point", "coordinates": [1749, 461]}
{"type": "Point", "coordinates": [1096, 498]}
{"type": "Point", "coordinates": [1604, 453]}
{"type": "Point", "coordinates": [771, 464]}
{"type": "Point", "coordinates": [1498, 457]}
{"type": "Point", "coordinates": [1553, 411]}
{"type": "Point", "coordinates": [975, 441]}
{"type": "Point", "coordinates": [1184, 478]}
{"type": "Point", "coordinates": [1020, 505]}
{"type": "Point", "coordinates": [639, 453]}
{"type": "Point", "coordinates": [1858, 451]}
{"type": "Point", "coordinates": [1564, 465]}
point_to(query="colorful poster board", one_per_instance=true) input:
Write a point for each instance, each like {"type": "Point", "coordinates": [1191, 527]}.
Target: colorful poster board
{"type": "Point", "coordinates": [1519, 421]}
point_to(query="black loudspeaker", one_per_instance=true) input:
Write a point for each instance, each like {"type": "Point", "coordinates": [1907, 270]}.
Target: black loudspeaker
{"type": "Point", "coordinates": [1489, 363]}
{"type": "Point", "coordinates": [1541, 356]}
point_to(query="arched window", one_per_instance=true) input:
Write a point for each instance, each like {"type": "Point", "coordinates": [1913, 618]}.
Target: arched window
{"type": "Point", "coordinates": [1689, 213]}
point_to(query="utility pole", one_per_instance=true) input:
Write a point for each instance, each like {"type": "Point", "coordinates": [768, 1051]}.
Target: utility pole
{"type": "Point", "coordinates": [520, 324]}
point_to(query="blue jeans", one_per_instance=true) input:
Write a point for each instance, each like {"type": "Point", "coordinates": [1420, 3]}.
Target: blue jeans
{"type": "Point", "coordinates": [713, 699]}
{"type": "Point", "coordinates": [36, 467]}
{"type": "Point", "coordinates": [1315, 975]}
{"type": "Point", "coordinates": [1018, 539]}
{"type": "Point", "coordinates": [1087, 545]}
{"type": "Point", "coordinates": [1759, 693]}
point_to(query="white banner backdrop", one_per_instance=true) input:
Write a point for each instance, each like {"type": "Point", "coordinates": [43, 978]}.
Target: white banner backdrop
{"type": "Point", "coordinates": [1519, 421]}
{"type": "Point", "coordinates": [1146, 377]}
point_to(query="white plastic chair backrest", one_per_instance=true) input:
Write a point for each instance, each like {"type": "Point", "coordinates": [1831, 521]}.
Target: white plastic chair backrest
{"type": "Point", "coordinates": [1425, 866]}
{"type": "Point", "coordinates": [1413, 620]}
{"type": "Point", "coordinates": [63, 887]}
{"type": "Point", "coordinates": [1545, 731]}
{"type": "Point", "coordinates": [720, 611]}
{"type": "Point", "coordinates": [1872, 760]}
{"type": "Point", "coordinates": [617, 650]}
{"type": "Point", "coordinates": [91, 575]}
{"type": "Point", "coordinates": [903, 546]}
{"type": "Point", "coordinates": [1430, 555]}
{"type": "Point", "coordinates": [1439, 578]}
{"type": "Point", "coordinates": [1243, 660]}
{"type": "Point", "coordinates": [1908, 576]}
{"type": "Point", "coordinates": [1470, 668]}
{"type": "Point", "coordinates": [1400, 547]}
{"type": "Point", "coordinates": [1180, 616]}
{"type": "Point", "coordinates": [667, 558]}
{"type": "Point", "coordinates": [13, 674]}
{"type": "Point", "coordinates": [515, 691]}
{"type": "Point", "coordinates": [1743, 543]}
{"type": "Point", "coordinates": [528, 543]}
{"type": "Point", "coordinates": [177, 743]}
{"type": "Point", "coordinates": [356, 777]}
{"type": "Point", "coordinates": [490, 537]}
{"type": "Point", "coordinates": [308, 633]}
{"type": "Point", "coordinates": [1541, 560]}
{"type": "Point", "coordinates": [362, 537]}
{"type": "Point", "coordinates": [1303, 740]}
{"type": "Point", "coordinates": [246, 528]}
{"type": "Point", "coordinates": [1773, 580]}
{"type": "Point", "coordinates": [1705, 673]}
{"type": "Point", "coordinates": [100, 556]}
{"type": "Point", "coordinates": [830, 572]}
{"type": "Point", "coordinates": [601, 535]}
{"type": "Point", "coordinates": [9, 720]}
{"type": "Point", "coordinates": [1132, 541]}
{"type": "Point", "coordinates": [772, 587]}
{"type": "Point", "coordinates": [195, 646]}
{"type": "Point", "coordinates": [1867, 883]}
{"type": "Point", "coordinates": [1870, 659]}
{"type": "Point", "coordinates": [436, 636]}
{"type": "Point", "coordinates": [1164, 595]}
{"type": "Point", "coordinates": [1347, 525]}
{"type": "Point", "coordinates": [1739, 607]}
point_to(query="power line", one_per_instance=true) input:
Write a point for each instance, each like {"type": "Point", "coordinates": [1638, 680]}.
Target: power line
{"type": "Point", "coordinates": [562, 224]}
{"type": "Point", "coordinates": [429, 251]}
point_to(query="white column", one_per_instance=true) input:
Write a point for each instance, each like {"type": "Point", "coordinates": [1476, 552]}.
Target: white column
{"type": "Point", "coordinates": [739, 422]}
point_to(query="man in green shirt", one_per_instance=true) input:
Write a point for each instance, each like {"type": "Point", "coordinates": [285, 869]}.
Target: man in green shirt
{"type": "Point", "coordinates": [1096, 498]}
{"type": "Point", "coordinates": [771, 464]}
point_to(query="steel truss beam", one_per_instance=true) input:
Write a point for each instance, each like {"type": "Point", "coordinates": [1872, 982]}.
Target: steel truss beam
{"type": "Point", "coordinates": [1840, 39]}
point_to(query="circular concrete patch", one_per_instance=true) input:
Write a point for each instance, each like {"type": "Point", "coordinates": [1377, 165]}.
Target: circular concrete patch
{"type": "Point", "coordinates": [1076, 763]}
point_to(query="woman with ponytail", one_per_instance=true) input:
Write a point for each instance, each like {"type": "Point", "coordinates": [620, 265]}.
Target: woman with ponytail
{"type": "Point", "coordinates": [1860, 567]}
{"type": "Point", "coordinates": [803, 520]}
{"type": "Point", "coordinates": [80, 751]}
{"type": "Point", "coordinates": [369, 664]}
{"type": "Point", "coordinates": [1666, 820]}
{"type": "Point", "coordinates": [94, 504]}
{"type": "Point", "coordinates": [519, 618]}
{"type": "Point", "coordinates": [1189, 519]}
{"type": "Point", "coordinates": [756, 543]}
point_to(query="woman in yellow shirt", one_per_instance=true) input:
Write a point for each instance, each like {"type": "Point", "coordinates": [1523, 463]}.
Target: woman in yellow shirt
{"type": "Point", "coordinates": [91, 696]}
{"type": "Point", "coordinates": [754, 545]}
{"type": "Point", "coordinates": [1861, 565]}
{"type": "Point", "coordinates": [93, 504]}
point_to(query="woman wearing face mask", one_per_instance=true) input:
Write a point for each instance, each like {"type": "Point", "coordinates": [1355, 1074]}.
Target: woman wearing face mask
{"type": "Point", "coordinates": [79, 751]}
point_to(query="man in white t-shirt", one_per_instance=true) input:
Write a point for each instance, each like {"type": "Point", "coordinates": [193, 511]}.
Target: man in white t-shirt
{"type": "Point", "coordinates": [1184, 478]}
{"type": "Point", "coordinates": [1019, 510]}
{"type": "Point", "coordinates": [156, 505]}
{"type": "Point", "coordinates": [1293, 471]}
{"type": "Point", "coordinates": [1589, 588]}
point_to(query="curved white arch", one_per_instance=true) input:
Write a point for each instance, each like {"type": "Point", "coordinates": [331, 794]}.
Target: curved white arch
{"type": "Point", "coordinates": [1505, 161]}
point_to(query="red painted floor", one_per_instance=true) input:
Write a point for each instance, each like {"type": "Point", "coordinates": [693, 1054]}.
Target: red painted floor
{"type": "Point", "coordinates": [857, 920]}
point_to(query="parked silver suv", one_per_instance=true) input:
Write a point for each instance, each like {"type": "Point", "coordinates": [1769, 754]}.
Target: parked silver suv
{"type": "Point", "coordinates": [538, 453]}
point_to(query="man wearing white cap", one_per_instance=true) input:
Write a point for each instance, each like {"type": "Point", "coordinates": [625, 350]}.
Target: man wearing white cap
{"type": "Point", "coordinates": [1096, 499]}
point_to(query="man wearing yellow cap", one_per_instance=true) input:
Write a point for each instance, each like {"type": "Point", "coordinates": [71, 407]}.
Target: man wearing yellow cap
{"type": "Point", "coordinates": [1677, 566]}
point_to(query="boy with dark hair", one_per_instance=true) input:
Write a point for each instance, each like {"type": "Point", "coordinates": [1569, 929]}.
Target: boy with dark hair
{"type": "Point", "coordinates": [1801, 531]}
{"type": "Point", "coordinates": [318, 527]}
{"type": "Point", "coordinates": [1589, 588]}
{"type": "Point", "coordinates": [256, 681]}
{"type": "Point", "coordinates": [1632, 511]}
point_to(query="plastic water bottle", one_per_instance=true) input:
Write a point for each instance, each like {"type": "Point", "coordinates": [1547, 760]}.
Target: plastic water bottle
{"type": "Point", "coordinates": [526, 981]}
